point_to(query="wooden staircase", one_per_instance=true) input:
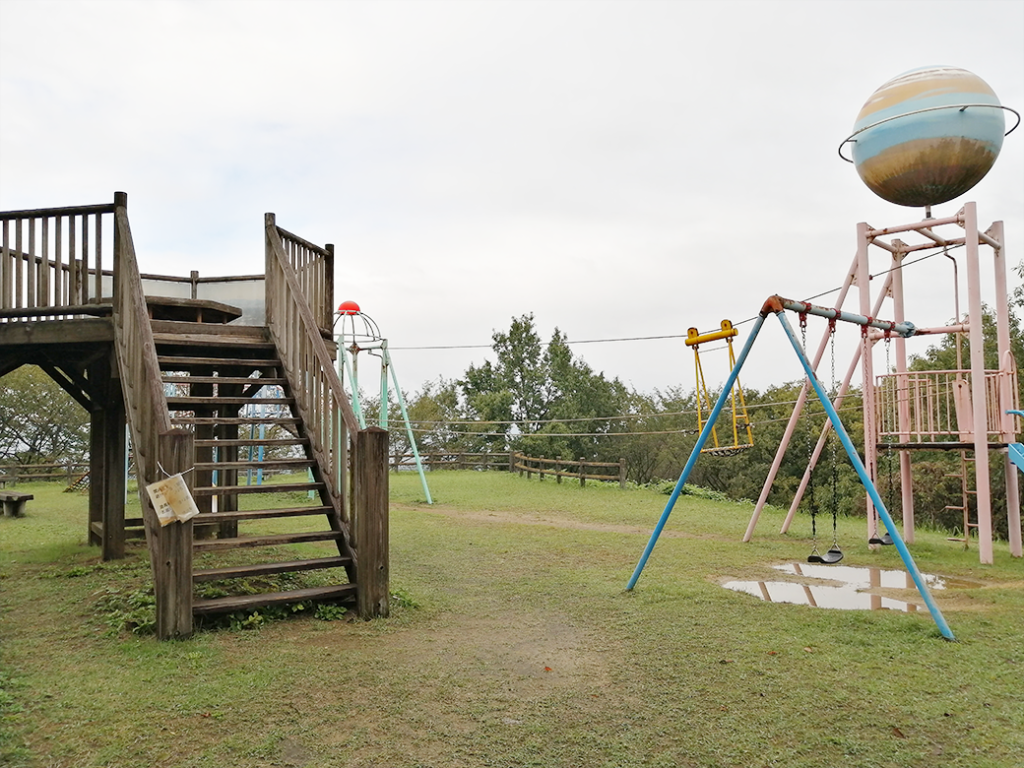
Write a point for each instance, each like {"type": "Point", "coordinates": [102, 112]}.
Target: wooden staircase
{"type": "Point", "coordinates": [72, 300]}
{"type": "Point", "coordinates": [226, 384]}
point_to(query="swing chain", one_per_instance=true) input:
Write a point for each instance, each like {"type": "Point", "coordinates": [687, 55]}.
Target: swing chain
{"type": "Point", "coordinates": [811, 501]}
{"type": "Point", "coordinates": [833, 440]}
{"type": "Point", "coordinates": [888, 441]}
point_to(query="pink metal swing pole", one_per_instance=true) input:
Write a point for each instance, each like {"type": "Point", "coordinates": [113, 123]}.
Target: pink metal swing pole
{"type": "Point", "coordinates": [1006, 364]}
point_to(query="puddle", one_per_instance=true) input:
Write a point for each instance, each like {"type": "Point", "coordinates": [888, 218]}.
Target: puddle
{"type": "Point", "coordinates": [845, 592]}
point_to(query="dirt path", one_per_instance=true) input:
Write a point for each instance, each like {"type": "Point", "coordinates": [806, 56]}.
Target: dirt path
{"type": "Point", "coordinates": [530, 518]}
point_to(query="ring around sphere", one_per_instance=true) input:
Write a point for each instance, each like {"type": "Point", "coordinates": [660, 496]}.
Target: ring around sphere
{"type": "Point", "coordinates": [928, 136]}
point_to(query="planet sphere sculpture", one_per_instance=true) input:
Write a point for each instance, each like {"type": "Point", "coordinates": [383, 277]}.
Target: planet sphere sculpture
{"type": "Point", "coordinates": [927, 136]}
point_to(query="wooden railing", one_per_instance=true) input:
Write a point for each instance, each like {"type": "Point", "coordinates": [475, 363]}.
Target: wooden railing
{"type": "Point", "coordinates": [439, 460]}
{"type": "Point", "coordinates": [939, 404]}
{"type": "Point", "coordinates": [521, 463]}
{"type": "Point", "coordinates": [52, 262]}
{"type": "Point", "coordinates": [160, 450]}
{"type": "Point", "coordinates": [314, 273]}
{"type": "Point", "coordinates": [319, 396]}
{"type": "Point", "coordinates": [326, 411]}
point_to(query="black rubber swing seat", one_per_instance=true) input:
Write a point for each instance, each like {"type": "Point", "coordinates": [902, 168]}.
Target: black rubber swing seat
{"type": "Point", "coordinates": [831, 557]}
{"type": "Point", "coordinates": [885, 540]}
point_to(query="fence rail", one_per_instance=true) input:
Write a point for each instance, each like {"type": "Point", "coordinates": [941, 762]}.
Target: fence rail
{"type": "Point", "coordinates": [519, 462]}
{"type": "Point", "coordinates": [440, 460]}
{"type": "Point", "coordinates": [67, 470]}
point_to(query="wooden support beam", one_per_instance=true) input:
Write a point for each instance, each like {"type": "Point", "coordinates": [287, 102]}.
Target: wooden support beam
{"type": "Point", "coordinates": [371, 515]}
{"type": "Point", "coordinates": [115, 454]}
{"type": "Point", "coordinates": [171, 546]}
{"type": "Point", "coordinates": [96, 532]}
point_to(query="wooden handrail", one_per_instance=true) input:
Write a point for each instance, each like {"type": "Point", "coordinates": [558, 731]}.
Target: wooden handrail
{"type": "Point", "coordinates": [319, 396]}
{"type": "Point", "coordinates": [160, 450]}
{"type": "Point", "coordinates": [72, 210]}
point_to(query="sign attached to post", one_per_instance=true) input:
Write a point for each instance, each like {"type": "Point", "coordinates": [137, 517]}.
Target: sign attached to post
{"type": "Point", "coordinates": [172, 500]}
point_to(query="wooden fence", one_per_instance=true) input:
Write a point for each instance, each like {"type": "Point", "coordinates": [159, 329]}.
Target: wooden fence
{"type": "Point", "coordinates": [67, 471]}
{"type": "Point", "coordinates": [441, 461]}
{"type": "Point", "coordinates": [521, 463]}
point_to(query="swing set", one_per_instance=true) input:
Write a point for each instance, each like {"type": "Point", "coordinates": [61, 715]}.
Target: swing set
{"type": "Point", "coordinates": [777, 305]}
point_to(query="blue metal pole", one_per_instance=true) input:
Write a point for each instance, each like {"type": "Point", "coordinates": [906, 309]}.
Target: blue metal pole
{"type": "Point", "coordinates": [840, 431]}
{"type": "Point", "coordinates": [695, 453]}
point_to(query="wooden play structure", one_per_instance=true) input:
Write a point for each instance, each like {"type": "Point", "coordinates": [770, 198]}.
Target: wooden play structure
{"type": "Point", "coordinates": [73, 302]}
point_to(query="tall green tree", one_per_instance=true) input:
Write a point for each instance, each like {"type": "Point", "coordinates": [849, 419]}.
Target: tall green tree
{"type": "Point", "coordinates": [542, 396]}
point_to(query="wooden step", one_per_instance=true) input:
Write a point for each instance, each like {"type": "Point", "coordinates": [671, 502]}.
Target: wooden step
{"type": "Point", "coordinates": [218, 339]}
{"type": "Point", "coordinates": [185, 328]}
{"type": "Point", "coordinates": [244, 602]}
{"type": "Point", "coordinates": [265, 569]}
{"type": "Point", "coordinates": [263, 381]}
{"type": "Point", "coordinates": [271, 540]}
{"type": "Point", "coordinates": [182, 362]}
{"type": "Point", "coordinates": [218, 490]}
{"type": "Point", "coordinates": [298, 463]}
{"type": "Point", "coordinates": [236, 421]}
{"type": "Point", "coordinates": [254, 441]}
{"type": "Point", "coordinates": [260, 514]}
{"type": "Point", "coordinates": [215, 401]}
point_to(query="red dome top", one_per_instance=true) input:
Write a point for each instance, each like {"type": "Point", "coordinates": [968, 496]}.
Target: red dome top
{"type": "Point", "coordinates": [348, 308]}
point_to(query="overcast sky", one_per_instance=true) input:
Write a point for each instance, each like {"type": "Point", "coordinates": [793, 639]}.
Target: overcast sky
{"type": "Point", "coordinates": [619, 169]}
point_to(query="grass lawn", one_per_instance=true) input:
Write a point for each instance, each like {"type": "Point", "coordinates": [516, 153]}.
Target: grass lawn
{"type": "Point", "coordinates": [513, 643]}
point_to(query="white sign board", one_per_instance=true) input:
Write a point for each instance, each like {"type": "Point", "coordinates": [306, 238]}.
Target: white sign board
{"type": "Point", "coordinates": [172, 500]}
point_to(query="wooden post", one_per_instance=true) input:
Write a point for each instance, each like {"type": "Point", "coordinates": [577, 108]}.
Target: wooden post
{"type": "Point", "coordinates": [114, 455]}
{"type": "Point", "coordinates": [622, 473]}
{"type": "Point", "coordinates": [171, 546]}
{"type": "Point", "coordinates": [97, 472]}
{"type": "Point", "coordinates": [583, 473]}
{"type": "Point", "coordinates": [328, 309]}
{"type": "Point", "coordinates": [371, 511]}
{"type": "Point", "coordinates": [558, 473]}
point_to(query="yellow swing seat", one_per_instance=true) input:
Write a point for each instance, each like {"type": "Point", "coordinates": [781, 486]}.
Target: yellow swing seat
{"type": "Point", "coordinates": [739, 406]}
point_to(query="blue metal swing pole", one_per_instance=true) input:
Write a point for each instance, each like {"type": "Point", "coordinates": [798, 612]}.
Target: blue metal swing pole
{"type": "Point", "coordinates": [695, 453]}
{"type": "Point", "coordinates": [840, 431]}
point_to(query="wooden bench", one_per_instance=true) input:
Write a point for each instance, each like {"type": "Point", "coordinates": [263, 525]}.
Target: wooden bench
{"type": "Point", "coordinates": [14, 502]}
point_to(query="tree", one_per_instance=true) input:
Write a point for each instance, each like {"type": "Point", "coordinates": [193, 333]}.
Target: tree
{"type": "Point", "coordinates": [39, 421]}
{"type": "Point", "coordinates": [542, 399]}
